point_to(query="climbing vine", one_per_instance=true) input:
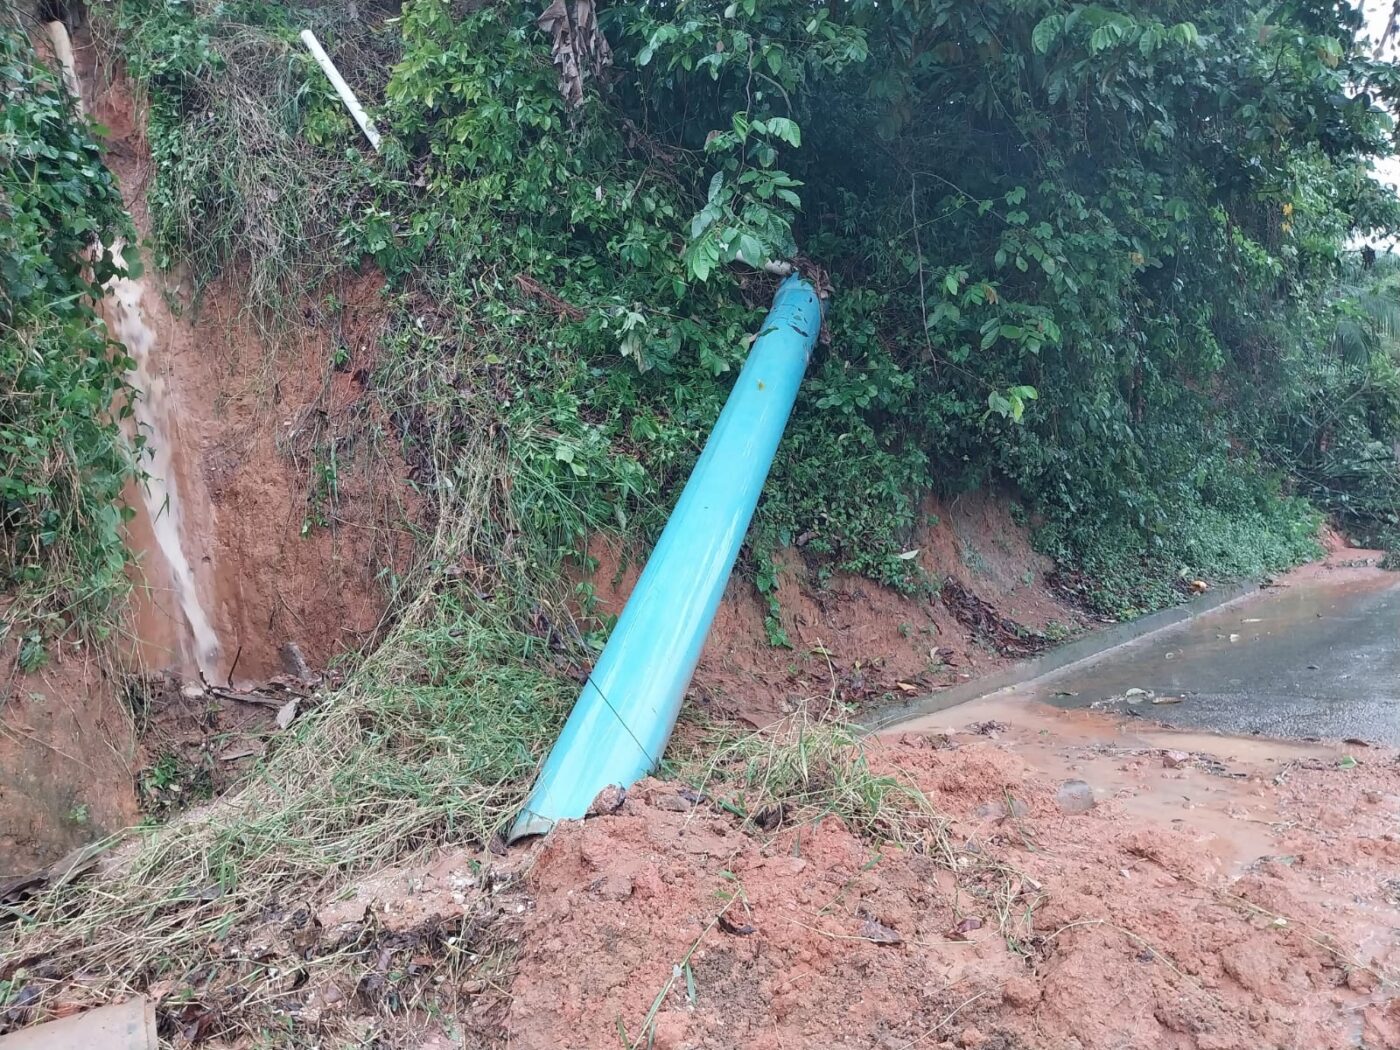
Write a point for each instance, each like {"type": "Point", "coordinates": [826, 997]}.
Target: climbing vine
{"type": "Point", "coordinates": [63, 460]}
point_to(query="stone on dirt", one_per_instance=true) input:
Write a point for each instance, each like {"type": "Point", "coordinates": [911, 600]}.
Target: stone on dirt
{"type": "Point", "coordinates": [1075, 796]}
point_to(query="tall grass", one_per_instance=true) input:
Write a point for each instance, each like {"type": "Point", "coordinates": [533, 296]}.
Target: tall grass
{"type": "Point", "coordinates": [251, 151]}
{"type": "Point", "coordinates": [432, 740]}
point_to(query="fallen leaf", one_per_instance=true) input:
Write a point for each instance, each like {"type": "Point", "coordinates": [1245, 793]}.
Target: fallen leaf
{"type": "Point", "coordinates": [161, 990]}
{"type": "Point", "coordinates": [729, 926]}
{"type": "Point", "coordinates": [962, 929]}
{"type": "Point", "coordinates": [286, 713]}
{"type": "Point", "coordinates": [878, 933]}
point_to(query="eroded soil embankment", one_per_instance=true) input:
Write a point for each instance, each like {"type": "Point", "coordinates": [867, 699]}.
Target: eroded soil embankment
{"type": "Point", "coordinates": [294, 503]}
{"type": "Point", "coordinates": [295, 497]}
{"type": "Point", "coordinates": [294, 507]}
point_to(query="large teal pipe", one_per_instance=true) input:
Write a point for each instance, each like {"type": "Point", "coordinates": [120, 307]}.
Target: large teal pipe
{"type": "Point", "coordinates": [619, 727]}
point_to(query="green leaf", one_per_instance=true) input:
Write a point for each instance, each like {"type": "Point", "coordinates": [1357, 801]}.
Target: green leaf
{"type": "Point", "coordinates": [131, 259]}
{"type": "Point", "coordinates": [1046, 32]}
{"type": "Point", "coordinates": [785, 129]}
{"type": "Point", "coordinates": [752, 249]}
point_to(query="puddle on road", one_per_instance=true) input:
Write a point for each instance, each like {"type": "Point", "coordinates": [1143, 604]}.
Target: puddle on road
{"type": "Point", "coordinates": [1316, 658]}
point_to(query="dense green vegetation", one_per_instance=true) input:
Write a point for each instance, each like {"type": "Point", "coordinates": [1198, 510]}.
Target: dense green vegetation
{"type": "Point", "coordinates": [63, 461]}
{"type": "Point", "coordinates": [1089, 253]}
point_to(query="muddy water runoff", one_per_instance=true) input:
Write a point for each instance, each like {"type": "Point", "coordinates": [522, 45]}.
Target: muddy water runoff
{"type": "Point", "coordinates": [161, 496]}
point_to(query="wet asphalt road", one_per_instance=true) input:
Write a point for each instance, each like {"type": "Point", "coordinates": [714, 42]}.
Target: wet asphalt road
{"type": "Point", "coordinates": [1317, 659]}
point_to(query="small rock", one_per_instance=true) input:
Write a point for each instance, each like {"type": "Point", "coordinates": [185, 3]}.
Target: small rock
{"type": "Point", "coordinates": [1374, 797]}
{"type": "Point", "coordinates": [609, 800]}
{"type": "Point", "coordinates": [1075, 796]}
{"type": "Point", "coordinates": [879, 933]}
{"type": "Point", "coordinates": [1175, 759]}
{"type": "Point", "coordinates": [670, 802]}
{"type": "Point", "coordinates": [1021, 993]}
{"type": "Point", "coordinates": [1360, 979]}
{"type": "Point", "coordinates": [613, 887]}
{"type": "Point", "coordinates": [999, 810]}
{"type": "Point", "coordinates": [971, 1038]}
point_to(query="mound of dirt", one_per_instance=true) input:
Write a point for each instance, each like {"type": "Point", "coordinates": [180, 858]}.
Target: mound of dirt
{"type": "Point", "coordinates": [1032, 923]}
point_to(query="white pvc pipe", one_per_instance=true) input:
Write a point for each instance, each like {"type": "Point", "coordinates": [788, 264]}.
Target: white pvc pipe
{"type": "Point", "coordinates": [341, 88]}
{"type": "Point", "coordinates": [63, 51]}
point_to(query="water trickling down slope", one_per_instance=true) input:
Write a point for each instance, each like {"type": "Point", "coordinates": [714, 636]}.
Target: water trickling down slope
{"type": "Point", "coordinates": [161, 492]}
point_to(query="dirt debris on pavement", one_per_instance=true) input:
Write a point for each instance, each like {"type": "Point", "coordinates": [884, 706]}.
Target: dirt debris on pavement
{"type": "Point", "coordinates": [1139, 922]}
{"type": "Point", "coordinates": [1242, 897]}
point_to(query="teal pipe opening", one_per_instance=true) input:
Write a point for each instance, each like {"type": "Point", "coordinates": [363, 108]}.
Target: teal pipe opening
{"type": "Point", "coordinates": [622, 720]}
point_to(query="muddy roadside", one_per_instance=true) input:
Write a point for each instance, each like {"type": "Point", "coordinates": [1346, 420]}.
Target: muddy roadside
{"type": "Point", "coordinates": [1090, 884]}
{"type": "Point", "coordinates": [1006, 874]}
{"type": "Point", "coordinates": [1075, 880]}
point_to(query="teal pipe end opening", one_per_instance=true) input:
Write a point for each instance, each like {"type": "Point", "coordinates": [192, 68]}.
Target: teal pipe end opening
{"type": "Point", "coordinates": [619, 726]}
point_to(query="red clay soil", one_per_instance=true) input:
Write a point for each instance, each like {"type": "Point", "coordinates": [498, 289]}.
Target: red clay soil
{"type": "Point", "coordinates": [67, 759]}
{"type": "Point", "coordinates": [248, 419]}
{"type": "Point", "coordinates": [1232, 901]}
{"type": "Point", "coordinates": [245, 419]}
